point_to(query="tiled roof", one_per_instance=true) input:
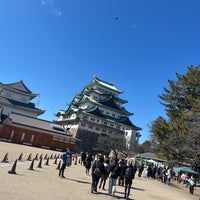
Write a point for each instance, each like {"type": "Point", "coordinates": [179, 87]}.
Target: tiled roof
{"type": "Point", "coordinates": [18, 103]}
{"type": "Point", "coordinates": [35, 123]}
{"type": "Point", "coordinates": [110, 102]}
{"type": "Point", "coordinates": [105, 84]}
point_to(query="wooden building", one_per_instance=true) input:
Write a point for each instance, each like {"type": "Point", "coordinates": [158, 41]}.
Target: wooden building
{"type": "Point", "coordinates": [19, 122]}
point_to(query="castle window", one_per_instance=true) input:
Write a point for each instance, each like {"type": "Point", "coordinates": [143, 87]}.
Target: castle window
{"type": "Point", "coordinates": [91, 127]}
{"type": "Point", "coordinates": [84, 117]}
{"type": "Point", "coordinates": [83, 125]}
{"type": "Point", "coordinates": [92, 119]}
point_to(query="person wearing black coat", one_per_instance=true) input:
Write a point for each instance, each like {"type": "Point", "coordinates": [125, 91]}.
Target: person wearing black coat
{"type": "Point", "coordinates": [105, 174]}
{"type": "Point", "coordinates": [88, 162]}
{"type": "Point", "coordinates": [97, 170]}
{"type": "Point", "coordinates": [129, 176]}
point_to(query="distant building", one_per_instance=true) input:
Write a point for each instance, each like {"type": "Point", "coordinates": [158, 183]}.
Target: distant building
{"type": "Point", "coordinates": [19, 122]}
{"type": "Point", "coordinates": [98, 111]}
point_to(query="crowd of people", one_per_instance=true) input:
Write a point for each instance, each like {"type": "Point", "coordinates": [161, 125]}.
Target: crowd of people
{"type": "Point", "coordinates": [166, 174]}
{"type": "Point", "coordinates": [121, 172]}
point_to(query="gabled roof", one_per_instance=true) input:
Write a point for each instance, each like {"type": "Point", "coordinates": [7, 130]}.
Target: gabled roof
{"type": "Point", "coordinates": [126, 121]}
{"type": "Point", "coordinates": [95, 111]}
{"type": "Point", "coordinates": [126, 112]}
{"type": "Point", "coordinates": [105, 84]}
{"type": "Point", "coordinates": [19, 86]}
{"type": "Point", "coordinates": [21, 104]}
{"type": "Point", "coordinates": [88, 91]}
{"type": "Point", "coordinates": [110, 102]}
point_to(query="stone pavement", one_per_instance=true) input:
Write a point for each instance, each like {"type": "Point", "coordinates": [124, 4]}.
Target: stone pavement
{"type": "Point", "coordinates": [44, 184]}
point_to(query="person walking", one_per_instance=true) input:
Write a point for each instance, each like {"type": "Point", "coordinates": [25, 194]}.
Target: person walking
{"type": "Point", "coordinates": [191, 184]}
{"type": "Point", "coordinates": [88, 162]}
{"type": "Point", "coordinates": [129, 176]}
{"type": "Point", "coordinates": [105, 174]}
{"type": "Point", "coordinates": [66, 159]}
{"type": "Point", "coordinates": [141, 168]}
{"type": "Point", "coordinates": [115, 171]}
{"type": "Point", "coordinates": [97, 170]}
{"type": "Point", "coordinates": [122, 164]}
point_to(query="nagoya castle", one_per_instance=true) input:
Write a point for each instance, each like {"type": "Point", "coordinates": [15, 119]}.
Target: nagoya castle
{"type": "Point", "coordinates": [98, 111]}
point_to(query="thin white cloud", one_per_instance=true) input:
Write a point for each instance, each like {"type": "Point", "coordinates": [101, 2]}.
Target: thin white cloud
{"type": "Point", "coordinates": [50, 3]}
{"type": "Point", "coordinates": [47, 2]}
{"type": "Point", "coordinates": [56, 12]}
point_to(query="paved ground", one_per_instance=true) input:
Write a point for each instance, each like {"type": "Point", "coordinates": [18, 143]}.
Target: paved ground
{"type": "Point", "coordinates": [44, 183]}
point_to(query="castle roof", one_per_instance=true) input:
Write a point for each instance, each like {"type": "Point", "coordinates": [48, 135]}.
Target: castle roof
{"type": "Point", "coordinates": [19, 87]}
{"type": "Point", "coordinates": [105, 84]}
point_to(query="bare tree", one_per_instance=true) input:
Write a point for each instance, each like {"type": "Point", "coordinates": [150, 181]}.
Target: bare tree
{"type": "Point", "coordinates": [115, 143]}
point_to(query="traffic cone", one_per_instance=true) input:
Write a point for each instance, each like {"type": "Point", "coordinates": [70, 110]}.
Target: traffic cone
{"type": "Point", "coordinates": [55, 162]}
{"type": "Point", "coordinates": [29, 157]}
{"type": "Point", "coordinates": [40, 164]}
{"type": "Point", "coordinates": [40, 156]}
{"type": "Point", "coordinates": [5, 159]}
{"type": "Point", "coordinates": [20, 157]}
{"type": "Point", "coordinates": [58, 167]}
{"type": "Point", "coordinates": [13, 169]}
{"type": "Point", "coordinates": [47, 162]}
{"type": "Point", "coordinates": [31, 165]}
{"type": "Point", "coordinates": [36, 156]}
{"type": "Point", "coordinates": [45, 157]}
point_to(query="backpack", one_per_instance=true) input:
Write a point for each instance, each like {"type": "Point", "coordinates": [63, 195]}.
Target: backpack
{"type": "Point", "coordinates": [97, 172]}
{"type": "Point", "coordinates": [129, 173]}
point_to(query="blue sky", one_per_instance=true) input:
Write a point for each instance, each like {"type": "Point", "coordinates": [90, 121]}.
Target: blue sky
{"type": "Point", "coordinates": [56, 46]}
